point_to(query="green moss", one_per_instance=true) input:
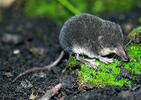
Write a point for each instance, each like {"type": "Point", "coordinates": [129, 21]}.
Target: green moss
{"type": "Point", "coordinates": [139, 20]}
{"type": "Point", "coordinates": [134, 33]}
{"type": "Point", "coordinates": [106, 74]}
{"type": "Point", "coordinates": [73, 62]}
{"type": "Point", "coordinates": [135, 56]}
{"type": "Point", "coordinates": [34, 53]}
{"type": "Point", "coordinates": [64, 9]}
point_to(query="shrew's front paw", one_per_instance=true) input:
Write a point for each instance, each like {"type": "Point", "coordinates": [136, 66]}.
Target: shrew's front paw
{"type": "Point", "coordinates": [106, 60]}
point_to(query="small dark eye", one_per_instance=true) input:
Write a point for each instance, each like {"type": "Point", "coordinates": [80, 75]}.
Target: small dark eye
{"type": "Point", "coordinates": [112, 44]}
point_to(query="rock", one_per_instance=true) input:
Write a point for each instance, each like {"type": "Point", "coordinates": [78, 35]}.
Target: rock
{"type": "Point", "coordinates": [138, 95]}
{"type": "Point", "coordinates": [40, 51]}
{"type": "Point", "coordinates": [128, 27]}
{"type": "Point", "coordinates": [26, 84]}
{"type": "Point", "coordinates": [125, 95]}
{"type": "Point", "coordinates": [12, 38]}
{"type": "Point", "coordinates": [16, 51]}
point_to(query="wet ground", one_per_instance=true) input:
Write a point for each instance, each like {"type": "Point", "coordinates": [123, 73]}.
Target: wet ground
{"type": "Point", "coordinates": [27, 43]}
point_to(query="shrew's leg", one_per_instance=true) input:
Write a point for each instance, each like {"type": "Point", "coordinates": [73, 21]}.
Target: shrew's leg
{"type": "Point", "coordinates": [89, 63]}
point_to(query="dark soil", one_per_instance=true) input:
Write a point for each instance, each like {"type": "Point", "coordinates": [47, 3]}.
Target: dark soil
{"type": "Point", "coordinates": [27, 43]}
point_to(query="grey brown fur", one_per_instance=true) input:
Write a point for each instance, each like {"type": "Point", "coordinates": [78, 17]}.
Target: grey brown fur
{"type": "Point", "coordinates": [91, 34]}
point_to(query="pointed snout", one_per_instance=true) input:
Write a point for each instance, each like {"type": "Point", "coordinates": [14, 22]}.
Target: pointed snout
{"type": "Point", "coordinates": [121, 51]}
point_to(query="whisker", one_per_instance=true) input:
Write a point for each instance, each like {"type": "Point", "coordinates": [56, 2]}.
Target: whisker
{"type": "Point", "coordinates": [129, 42]}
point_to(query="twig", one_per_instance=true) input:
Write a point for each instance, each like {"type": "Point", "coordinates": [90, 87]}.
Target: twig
{"type": "Point", "coordinates": [48, 67]}
{"type": "Point", "coordinates": [52, 92]}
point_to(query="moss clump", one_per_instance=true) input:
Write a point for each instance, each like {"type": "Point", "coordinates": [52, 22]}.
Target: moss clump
{"type": "Point", "coordinates": [106, 74]}
{"type": "Point", "coordinates": [134, 32]}
{"type": "Point", "coordinates": [135, 56]}
{"type": "Point", "coordinates": [135, 35]}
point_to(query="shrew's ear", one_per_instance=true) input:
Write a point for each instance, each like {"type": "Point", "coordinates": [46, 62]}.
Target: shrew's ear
{"type": "Point", "coordinates": [101, 41]}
